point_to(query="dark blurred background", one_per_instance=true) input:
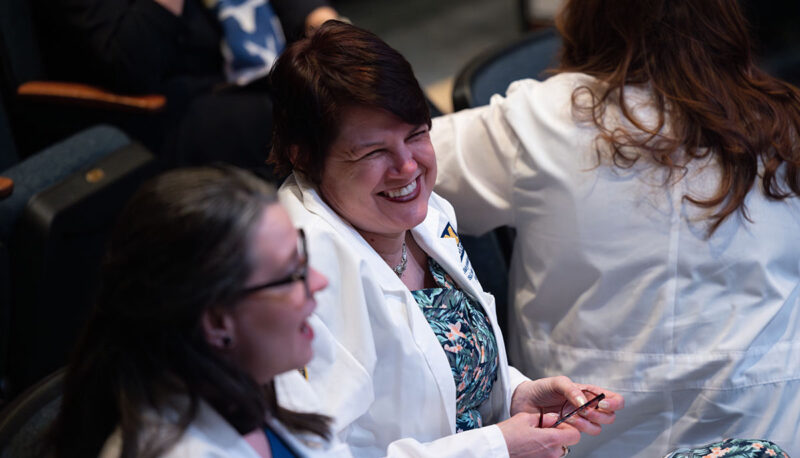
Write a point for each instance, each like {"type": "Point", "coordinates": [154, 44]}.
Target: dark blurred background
{"type": "Point", "coordinates": [439, 37]}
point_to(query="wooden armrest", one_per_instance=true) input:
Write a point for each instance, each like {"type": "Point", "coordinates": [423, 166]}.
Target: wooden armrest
{"type": "Point", "coordinates": [6, 187]}
{"type": "Point", "coordinates": [83, 94]}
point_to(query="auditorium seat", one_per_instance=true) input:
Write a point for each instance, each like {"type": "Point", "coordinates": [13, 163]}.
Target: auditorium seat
{"type": "Point", "coordinates": [53, 225]}
{"type": "Point", "coordinates": [489, 73]}
{"type": "Point", "coordinates": [24, 424]}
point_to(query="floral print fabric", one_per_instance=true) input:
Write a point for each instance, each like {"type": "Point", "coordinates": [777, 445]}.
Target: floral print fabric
{"type": "Point", "coordinates": [466, 335]}
{"type": "Point", "coordinates": [730, 448]}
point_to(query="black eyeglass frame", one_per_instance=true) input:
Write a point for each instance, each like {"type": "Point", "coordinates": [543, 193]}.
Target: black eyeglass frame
{"type": "Point", "coordinates": [300, 274]}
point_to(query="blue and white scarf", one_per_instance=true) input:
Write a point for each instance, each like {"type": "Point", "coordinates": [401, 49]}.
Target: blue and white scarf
{"type": "Point", "coordinates": [252, 38]}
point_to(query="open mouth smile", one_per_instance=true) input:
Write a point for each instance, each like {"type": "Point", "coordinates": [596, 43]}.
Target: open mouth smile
{"type": "Point", "coordinates": [407, 192]}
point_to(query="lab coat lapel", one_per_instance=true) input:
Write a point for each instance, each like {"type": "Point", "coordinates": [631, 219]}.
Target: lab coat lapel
{"type": "Point", "coordinates": [440, 240]}
{"type": "Point", "coordinates": [424, 335]}
{"type": "Point", "coordinates": [314, 203]}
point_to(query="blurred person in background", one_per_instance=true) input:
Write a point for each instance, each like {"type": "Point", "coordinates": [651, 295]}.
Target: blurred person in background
{"type": "Point", "coordinates": [206, 56]}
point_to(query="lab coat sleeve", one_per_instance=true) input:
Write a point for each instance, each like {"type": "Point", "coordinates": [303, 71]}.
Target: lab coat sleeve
{"type": "Point", "coordinates": [515, 379]}
{"type": "Point", "coordinates": [482, 442]}
{"type": "Point", "coordinates": [344, 349]}
{"type": "Point", "coordinates": [189, 445]}
{"type": "Point", "coordinates": [476, 152]}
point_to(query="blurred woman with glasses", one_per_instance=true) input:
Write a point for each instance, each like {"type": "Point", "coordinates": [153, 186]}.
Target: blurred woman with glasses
{"type": "Point", "coordinates": [205, 297]}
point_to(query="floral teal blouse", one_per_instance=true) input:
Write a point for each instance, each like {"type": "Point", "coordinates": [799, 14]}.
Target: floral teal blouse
{"type": "Point", "coordinates": [466, 335]}
{"type": "Point", "coordinates": [732, 448]}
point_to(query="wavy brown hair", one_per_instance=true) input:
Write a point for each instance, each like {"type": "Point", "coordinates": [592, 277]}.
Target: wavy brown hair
{"type": "Point", "coordinates": [696, 57]}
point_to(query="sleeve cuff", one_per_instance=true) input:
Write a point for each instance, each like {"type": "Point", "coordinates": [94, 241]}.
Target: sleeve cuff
{"type": "Point", "coordinates": [476, 443]}
{"type": "Point", "coordinates": [515, 379]}
{"type": "Point", "coordinates": [495, 440]}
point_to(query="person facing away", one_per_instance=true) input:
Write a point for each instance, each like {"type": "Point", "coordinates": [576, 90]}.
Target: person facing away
{"type": "Point", "coordinates": [653, 184]}
{"type": "Point", "coordinates": [206, 292]}
{"type": "Point", "coordinates": [409, 357]}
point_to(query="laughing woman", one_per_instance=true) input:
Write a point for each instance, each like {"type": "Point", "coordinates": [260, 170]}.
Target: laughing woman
{"type": "Point", "coordinates": [409, 359]}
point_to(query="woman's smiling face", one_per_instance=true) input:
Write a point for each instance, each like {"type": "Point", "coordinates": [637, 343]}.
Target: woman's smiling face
{"type": "Point", "coordinates": [379, 171]}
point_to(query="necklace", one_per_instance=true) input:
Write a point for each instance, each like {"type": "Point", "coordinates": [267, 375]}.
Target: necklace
{"type": "Point", "coordinates": [400, 268]}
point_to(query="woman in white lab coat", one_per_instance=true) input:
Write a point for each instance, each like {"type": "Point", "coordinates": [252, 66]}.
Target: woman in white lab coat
{"type": "Point", "coordinates": [205, 298]}
{"type": "Point", "coordinates": [409, 359]}
{"type": "Point", "coordinates": [653, 184]}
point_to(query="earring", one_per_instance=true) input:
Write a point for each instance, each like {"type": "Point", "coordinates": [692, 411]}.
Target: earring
{"type": "Point", "coordinates": [226, 341]}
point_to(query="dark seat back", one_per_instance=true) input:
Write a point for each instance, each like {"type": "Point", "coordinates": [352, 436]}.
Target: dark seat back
{"type": "Point", "coordinates": [24, 424]}
{"type": "Point", "coordinates": [491, 72]}
{"type": "Point", "coordinates": [58, 242]}
{"type": "Point", "coordinates": [52, 232]}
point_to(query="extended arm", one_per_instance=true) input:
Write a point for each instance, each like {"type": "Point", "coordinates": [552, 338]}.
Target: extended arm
{"type": "Point", "coordinates": [476, 152]}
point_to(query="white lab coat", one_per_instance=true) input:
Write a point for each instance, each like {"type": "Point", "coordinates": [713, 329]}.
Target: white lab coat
{"type": "Point", "coordinates": [615, 283]}
{"type": "Point", "coordinates": [378, 367]}
{"type": "Point", "coordinates": [210, 436]}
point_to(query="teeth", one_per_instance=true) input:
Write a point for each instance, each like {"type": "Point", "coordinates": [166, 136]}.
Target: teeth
{"type": "Point", "coordinates": [402, 192]}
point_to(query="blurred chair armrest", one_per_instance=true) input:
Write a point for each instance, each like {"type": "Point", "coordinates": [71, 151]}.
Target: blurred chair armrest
{"type": "Point", "coordinates": [6, 187]}
{"type": "Point", "coordinates": [91, 96]}
{"type": "Point", "coordinates": [55, 164]}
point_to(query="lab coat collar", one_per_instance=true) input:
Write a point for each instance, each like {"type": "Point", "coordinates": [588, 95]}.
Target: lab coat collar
{"type": "Point", "coordinates": [435, 235]}
{"type": "Point", "coordinates": [314, 203]}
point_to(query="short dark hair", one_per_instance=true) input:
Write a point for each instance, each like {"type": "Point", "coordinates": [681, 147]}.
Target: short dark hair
{"type": "Point", "coordinates": [316, 78]}
{"type": "Point", "coordinates": [181, 246]}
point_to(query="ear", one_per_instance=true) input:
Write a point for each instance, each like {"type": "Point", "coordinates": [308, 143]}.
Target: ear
{"type": "Point", "coordinates": [219, 328]}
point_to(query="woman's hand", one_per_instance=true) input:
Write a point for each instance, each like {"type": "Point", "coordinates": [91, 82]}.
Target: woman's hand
{"type": "Point", "coordinates": [547, 395]}
{"type": "Point", "coordinates": [524, 437]}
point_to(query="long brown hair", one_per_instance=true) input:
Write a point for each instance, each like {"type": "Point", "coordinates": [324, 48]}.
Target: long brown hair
{"type": "Point", "coordinates": [696, 57]}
